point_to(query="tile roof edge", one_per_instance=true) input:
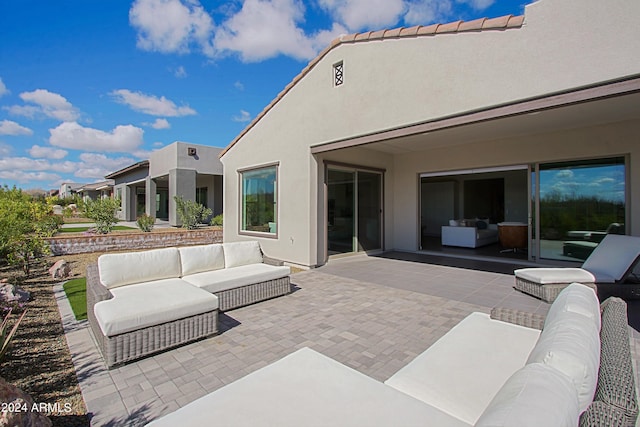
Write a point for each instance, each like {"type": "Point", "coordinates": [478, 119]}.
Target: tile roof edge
{"type": "Point", "coordinates": [500, 23]}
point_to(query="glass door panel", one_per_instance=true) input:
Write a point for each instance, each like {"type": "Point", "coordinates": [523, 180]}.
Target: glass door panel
{"type": "Point", "coordinates": [341, 211]}
{"type": "Point", "coordinates": [369, 211]}
{"type": "Point", "coordinates": [579, 203]}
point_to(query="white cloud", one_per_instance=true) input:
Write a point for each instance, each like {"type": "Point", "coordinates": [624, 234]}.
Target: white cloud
{"type": "Point", "coordinates": [244, 116]}
{"type": "Point", "coordinates": [170, 26]}
{"type": "Point", "coordinates": [364, 14]}
{"type": "Point", "coordinates": [152, 105]}
{"type": "Point", "coordinates": [477, 4]}
{"type": "Point", "coordinates": [180, 72]}
{"type": "Point", "coordinates": [48, 103]}
{"type": "Point", "coordinates": [428, 11]}
{"type": "Point", "coordinates": [239, 86]}
{"type": "Point", "coordinates": [3, 88]}
{"type": "Point", "coordinates": [262, 29]}
{"type": "Point", "coordinates": [267, 28]}
{"type": "Point", "coordinates": [161, 124]}
{"type": "Point", "coordinates": [123, 138]}
{"type": "Point", "coordinates": [23, 177]}
{"type": "Point", "coordinates": [5, 149]}
{"type": "Point", "coordinates": [47, 152]}
{"type": "Point", "coordinates": [24, 164]}
{"type": "Point", "coordinates": [7, 127]}
{"type": "Point", "coordinates": [95, 165]}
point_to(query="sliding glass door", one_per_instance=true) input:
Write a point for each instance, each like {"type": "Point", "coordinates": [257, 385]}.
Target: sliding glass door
{"type": "Point", "coordinates": [578, 204]}
{"type": "Point", "coordinates": [354, 210]}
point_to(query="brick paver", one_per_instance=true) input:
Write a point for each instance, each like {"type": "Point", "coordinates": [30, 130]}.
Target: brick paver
{"type": "Point", "coordinates": [374, 315]}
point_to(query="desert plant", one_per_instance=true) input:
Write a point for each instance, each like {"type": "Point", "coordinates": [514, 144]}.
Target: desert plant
{"type": "Point", "coordinates": [6, 337]}
{"type": "Point", "coordinates": [103, 213]}
{"type": "Point", "coordinates": [217, 220]}
{"type": "Point", "coordinates": [191, 213]}
{"type": "Point", "coordinates": [145, 222]}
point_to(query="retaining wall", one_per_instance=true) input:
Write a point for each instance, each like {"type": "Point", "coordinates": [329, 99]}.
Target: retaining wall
{"type": "Point", "coordinates": [79, 244]}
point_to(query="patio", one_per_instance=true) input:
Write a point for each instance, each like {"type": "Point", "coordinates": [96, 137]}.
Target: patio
{"type": "Point", "coordinates": [374, 314]}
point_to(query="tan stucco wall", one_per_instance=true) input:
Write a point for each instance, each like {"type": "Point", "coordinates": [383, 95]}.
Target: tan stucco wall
{"type": "Point", "coordinates": [563, 44]}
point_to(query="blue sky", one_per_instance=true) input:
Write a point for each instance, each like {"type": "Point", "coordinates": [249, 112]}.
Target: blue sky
{"type": "Point", "coordinates": [88, 87]}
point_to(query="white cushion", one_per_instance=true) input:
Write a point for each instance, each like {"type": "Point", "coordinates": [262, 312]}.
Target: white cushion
{"type": "Point", "coordinates": [241, 253]}
{"type": "Point", "coordinates": [147, 304]}
{"type": "Point", "coordinates": [306, 388]}
{"type": "Point", "coordinates": [546, 276]}
{"type": "Point", "coordinates": [611, 259]}
{"type": "Point", "coordinates": [462, 371]}
{"type": "Point", "coordinates": [195, 259]}
{"type": "Point", "coordinates": [575, 298]}
{"type": "Point", "coordinates": [572, 346]}
{"type": "Point", "coordinates": [135, 267]}
{"type": "Point", "coordinates": [535, 396]}
{"type": "Point", "coordinates": [229, 278]}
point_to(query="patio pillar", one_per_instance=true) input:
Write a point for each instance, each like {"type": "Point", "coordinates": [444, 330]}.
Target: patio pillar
{"type": "Point", "coordinates": [182, 182]}
{"type": "Point", "coordinates": [150, 197]}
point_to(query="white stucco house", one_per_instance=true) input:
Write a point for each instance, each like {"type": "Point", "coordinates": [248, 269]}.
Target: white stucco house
{"type": "Point", "coordinates": [179, 169]}
{"type": "Point", "coordinates": [387, 136]}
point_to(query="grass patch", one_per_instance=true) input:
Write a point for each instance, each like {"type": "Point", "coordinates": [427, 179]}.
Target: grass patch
{"type": "Point", "coordinates": [85, 228]}
{"type": "Point", "coordinates": [76, 290]}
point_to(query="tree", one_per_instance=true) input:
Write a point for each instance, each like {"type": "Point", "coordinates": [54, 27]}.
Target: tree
{"type": "Point", "coordinates": [103, 213]}
{"type": "Point", "coordinates": [24, 224]}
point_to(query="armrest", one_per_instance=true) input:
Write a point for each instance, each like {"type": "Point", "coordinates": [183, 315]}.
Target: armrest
{"type": "Point", "coordinates": [518, 317]}
{"type": "Point", "coordinates": [272, 261]}
{"type": "Point", "coordinates": [96, 292]}
{"type": "Point", "coordinates": [600, 414]}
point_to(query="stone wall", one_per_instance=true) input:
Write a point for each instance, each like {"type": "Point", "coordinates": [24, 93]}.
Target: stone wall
{"type": "Point", "coordinates": [67, 245]}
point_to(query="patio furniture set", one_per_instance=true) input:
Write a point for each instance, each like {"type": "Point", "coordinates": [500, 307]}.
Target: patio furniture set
{"type": "Point", "coordinates": [506, 368]}
{"type": "Point", "coordinates": [140, 303]}
{"type": "Point", "coordinates": [489, 370]}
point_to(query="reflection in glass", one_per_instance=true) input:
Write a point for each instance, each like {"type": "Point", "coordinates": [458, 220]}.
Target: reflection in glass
{"type": "Point", "coordinates": [259, 206]}
{"type": "Point", "coordinates": [580, 203]}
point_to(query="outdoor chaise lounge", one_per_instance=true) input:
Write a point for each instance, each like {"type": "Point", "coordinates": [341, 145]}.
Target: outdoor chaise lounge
{"type": "Point", "coordinates": [611, 263]}
{"type": "Point", "coordinates": [489, 370]}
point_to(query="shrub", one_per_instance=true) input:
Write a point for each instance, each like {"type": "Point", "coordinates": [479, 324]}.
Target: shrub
{"type": "Point", "coordinates": [191, 213]}
{"type": "Point", "coordinates": [217, 220]}
{"type": "Point", "coordinates": [103, 213]}
{"type": "Point", "coordinates": [24, 222]}
{"type": "Point", "coordinates": [145, 222]}
{"type": "Point", "coordinates": [6, 337]}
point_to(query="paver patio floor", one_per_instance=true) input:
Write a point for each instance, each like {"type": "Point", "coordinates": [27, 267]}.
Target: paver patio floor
{"type": "Point", "coordinates": [372, 314]}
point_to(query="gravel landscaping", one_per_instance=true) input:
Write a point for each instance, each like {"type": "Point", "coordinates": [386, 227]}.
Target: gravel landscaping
{"type": "Point", "coordinates": [39, 361]}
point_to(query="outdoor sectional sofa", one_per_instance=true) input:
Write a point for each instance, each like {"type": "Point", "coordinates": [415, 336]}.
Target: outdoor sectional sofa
{"type": "Point", "coordinates": [139, 303]}
{"type": "Point", "coordinates": [489, 370]}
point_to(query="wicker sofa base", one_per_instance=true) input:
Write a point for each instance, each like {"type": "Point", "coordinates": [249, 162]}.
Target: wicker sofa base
{"type": "Point", "coordinates": [133, 345]}
{"type": "Point", "coordinates": [245, 295]}
{"type": "Point", "coordinates": [546, 292]}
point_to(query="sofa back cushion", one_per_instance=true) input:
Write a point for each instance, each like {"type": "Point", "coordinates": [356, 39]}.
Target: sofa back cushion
{"type": "Point", "coordinates": [135, 267]}
{"type": "Point", "coordinates": [241, 253]}
{"type": "Point", "coordinates": [196, 259]}
{"type": "Point", "coordinates": [575, 298]}
{"type": "Point", "coordinates": [536, 395]}
{"type": "Point", "coordinates": [572, 346]}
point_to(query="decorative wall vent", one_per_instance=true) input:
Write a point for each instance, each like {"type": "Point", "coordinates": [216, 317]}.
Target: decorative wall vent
{"type": "Point", "coordinates": [338, 73]}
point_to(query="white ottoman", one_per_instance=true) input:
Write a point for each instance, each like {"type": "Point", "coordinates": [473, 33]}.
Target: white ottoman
{"type": "Point", "coordinates": [546, 283]}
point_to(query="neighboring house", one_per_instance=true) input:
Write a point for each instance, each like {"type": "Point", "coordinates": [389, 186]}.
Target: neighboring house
{"type": "Point", "coordinates": [388, 135]}
{"type": "Point", "coordinates": [179, 169]}
{"type": "Point", "coordinates": [69, 189]}
{"type": "Point", "coordinates": [97, 190]}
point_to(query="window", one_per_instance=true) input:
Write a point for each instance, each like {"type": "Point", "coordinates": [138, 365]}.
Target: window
{"type": "Point", "coordinates": [258, 200]}
{"type": "Point", "coordinates": [338, 73]}
{"type": "Point", "coordinates": [579, 203]}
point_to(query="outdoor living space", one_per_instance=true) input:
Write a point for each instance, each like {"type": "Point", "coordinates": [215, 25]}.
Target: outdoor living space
{"type": "Point", "coordinates": [374, 314]}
